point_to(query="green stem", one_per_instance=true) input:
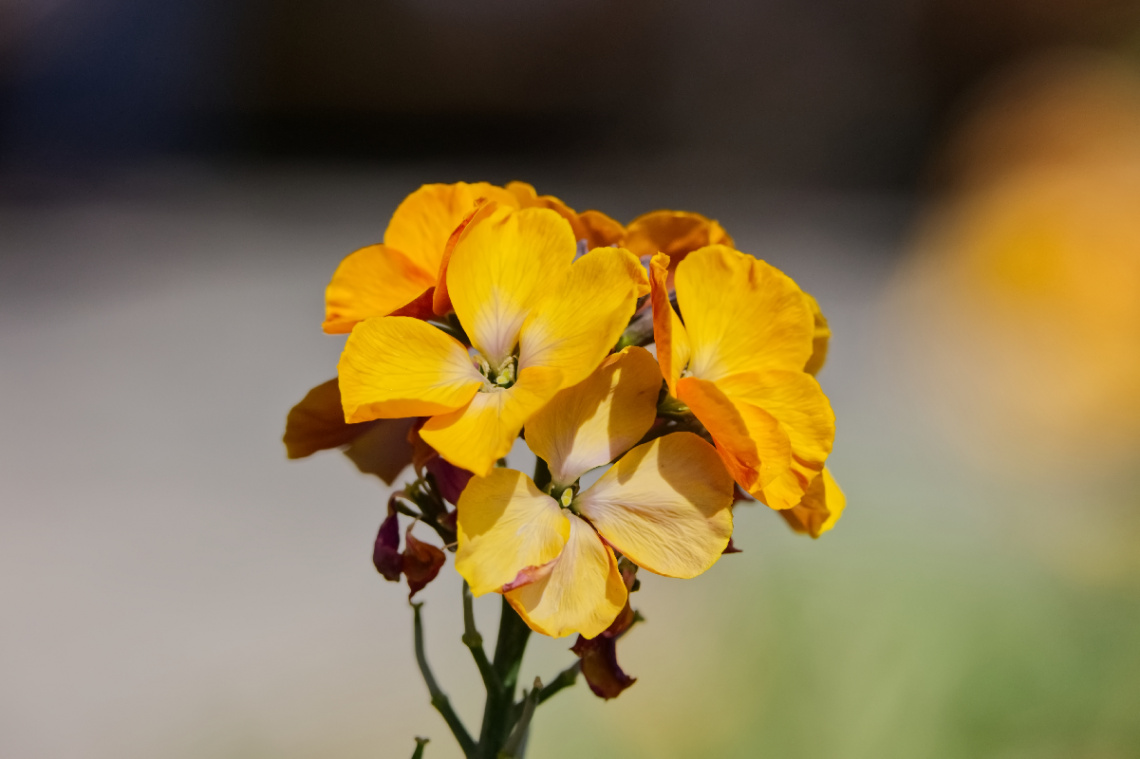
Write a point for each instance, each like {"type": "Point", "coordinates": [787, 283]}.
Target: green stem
{"type": "Point", "coordinates": [509, 649]}
{"type": "Point", "coordinates": [564, 679]}
{"type": "Point", "coordinates": [438, 697]}
{"type": "Point", "coordinates": [420, 743]}
{"type": "Point", "coordinates": [474, 641]}
{"type": "Point", "coordinates": [516, 744]}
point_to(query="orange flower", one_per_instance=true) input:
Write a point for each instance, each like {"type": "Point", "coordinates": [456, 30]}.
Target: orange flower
{"type": "Point", "coordinates": [404, 276]}
{"type": "Point", "coordinates": [738, 361]}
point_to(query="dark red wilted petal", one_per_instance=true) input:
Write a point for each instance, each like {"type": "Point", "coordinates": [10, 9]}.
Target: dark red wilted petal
{"type": "Point", "coordinates": [386, 554]}
{"type": "Point", "coordinates": [422, 562]}
{"type": "Point", "coordinates": [730, 548]}
{"type": "Point", "coordinates": [600, 666]}
{"type": "Point", "coordinates": [449, 479]}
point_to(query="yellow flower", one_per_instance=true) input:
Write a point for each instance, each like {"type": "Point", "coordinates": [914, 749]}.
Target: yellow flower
{"type": "Point", "coordinates": [665, 505]}
{"type": "Point", "coordinates": [403, 275]}
{"type": "Point", "coordinates": [738, 362]}
{"type": "Point", "coordinates": [538, 321]}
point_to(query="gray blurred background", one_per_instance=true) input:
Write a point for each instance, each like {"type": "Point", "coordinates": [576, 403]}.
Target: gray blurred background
{"type": "Point", "coordinates": [954, 180]}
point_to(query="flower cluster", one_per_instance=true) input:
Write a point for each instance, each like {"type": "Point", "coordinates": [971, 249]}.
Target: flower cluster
{"type": "Point", "coordinates": [491, 315]}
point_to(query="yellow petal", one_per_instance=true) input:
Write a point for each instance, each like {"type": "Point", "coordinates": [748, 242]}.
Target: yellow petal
{"type": "Point", "coordinates": [751, 442]}
{"type": "Point", "coordinates": [821, 336]}
{"type": "Point", "coordinates": [741, 314]}
{"type": "Point", "coordinates": [425, 219]}
{"type": "Point", "coordinates": [666, 505]}
{"type": "Point", "coordinates": [804, 414]}
{"type": "Point", "coordinates": [597, 420]}
{"type": "Point", "coordinates": [820, 508]}
{"type": "Point", "coordinates": [396, 366]}
{"type": "Point", "coordinates": [506, 525]}
{"type": "Point", "coordinates": [373, 281]}
{"type": "Point", "coordinates": [576, 327]}
{"type": "Point", "coordinates": [582, 592]}
{"type": "Point", "coordinates": [674, 233]}
{"type": "Point", "coordinates": [668, 331]}
{"type": "Point", "coordinates": [499, 271]}
{"type": "Point", "coordinates": [477, 435]}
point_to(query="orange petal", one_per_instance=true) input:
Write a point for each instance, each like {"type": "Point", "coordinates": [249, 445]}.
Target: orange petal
{"type": "Point", "coordinates": [373, 281]}
{"type": "Point", "coordinates": [441, 300]}
{"type": "Point", "coordinates": [317, 423]}
{"type": "Point", "coordinates": [583, 592]}
{"type": "Point", "coordinates": [600, 230]}
{"type": "Point", "coordinates": [424, 221]}
{"type": "Point", "coordinates": [741, 314]}
{"type": "Point", "coordinates": [820, 509]}
{"type": "Point", "coordinates": [820, 338]}
{"type": "Point", "coordinates": [597, 229]}
{"type": "Point", "coordinates": [397, 366]}
{"type": "Point", "coordinates": [668, 331]}
{"type": "Point", "coordinates": [674, 233]}
{"type": "Point", "coordinates": [574, 328]}
{"type": "Point", "coordinates": [751, 442]}
{"type": "Point", "coordinates": [480, 433]}
{"type": "Point", "coordinates": [804, 414]}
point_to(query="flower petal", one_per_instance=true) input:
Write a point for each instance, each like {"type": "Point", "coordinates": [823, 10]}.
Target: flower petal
{"type": "Point", "coordinates": [506, 525]}
{"type": "Point", "coordinates": [674, 233]}
{"type": "Point", "coordinates": [441, 299]}
{"type": "Point", "coordinates": [425, 219]}
{"type": "Point", "coordinates": [796, 401]}
{"type": "Point", "coordinates": [820, 508]}
{"type": "Point", "coordinates": [668, 331]}
{"type": "Point", "coordinates": [597, 229]}
{"type": "Point", "coordinates": [477, 435]}
{"type": "Point", "coordinates": [750, 441]}
{"type": "Point", "coordinates": [582, 593]}
{"type": "Point", "coordinates": [741, 314]}
{"type": "Point", "coordinates": [576, 327]}
{"type": "Point", "coordinates": [666, 505]}
{"type": "Point", "coordinates": [601, 231]}
{"type": "Point", "coordinates": [595, 421]}
{"type": "Point", "coordinates": [317, 423]}
{"type": "Point", "coordinates": [397, 366]}
{"type": "Point", "coordinates": [499, 271]}
{"type": "Point", "coordinates": [821, 336]}
{"type": "Point", "coordinates": [373, 281]}
{"type": "Point", "coordinates": [422, 562]}
{"type": "Point", "coordinates": [600, 666]}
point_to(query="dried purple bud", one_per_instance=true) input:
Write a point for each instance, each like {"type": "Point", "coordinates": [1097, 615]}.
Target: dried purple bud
{"type": "Point", "coordinates": [386, 554]}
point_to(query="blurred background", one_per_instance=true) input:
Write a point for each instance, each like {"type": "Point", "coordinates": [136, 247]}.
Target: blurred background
{"type": "Point", "coordinates": [956, 181]}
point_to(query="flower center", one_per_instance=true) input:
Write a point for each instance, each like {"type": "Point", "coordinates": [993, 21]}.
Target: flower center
{"type": "Point", "coordinates": [496, 378]}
